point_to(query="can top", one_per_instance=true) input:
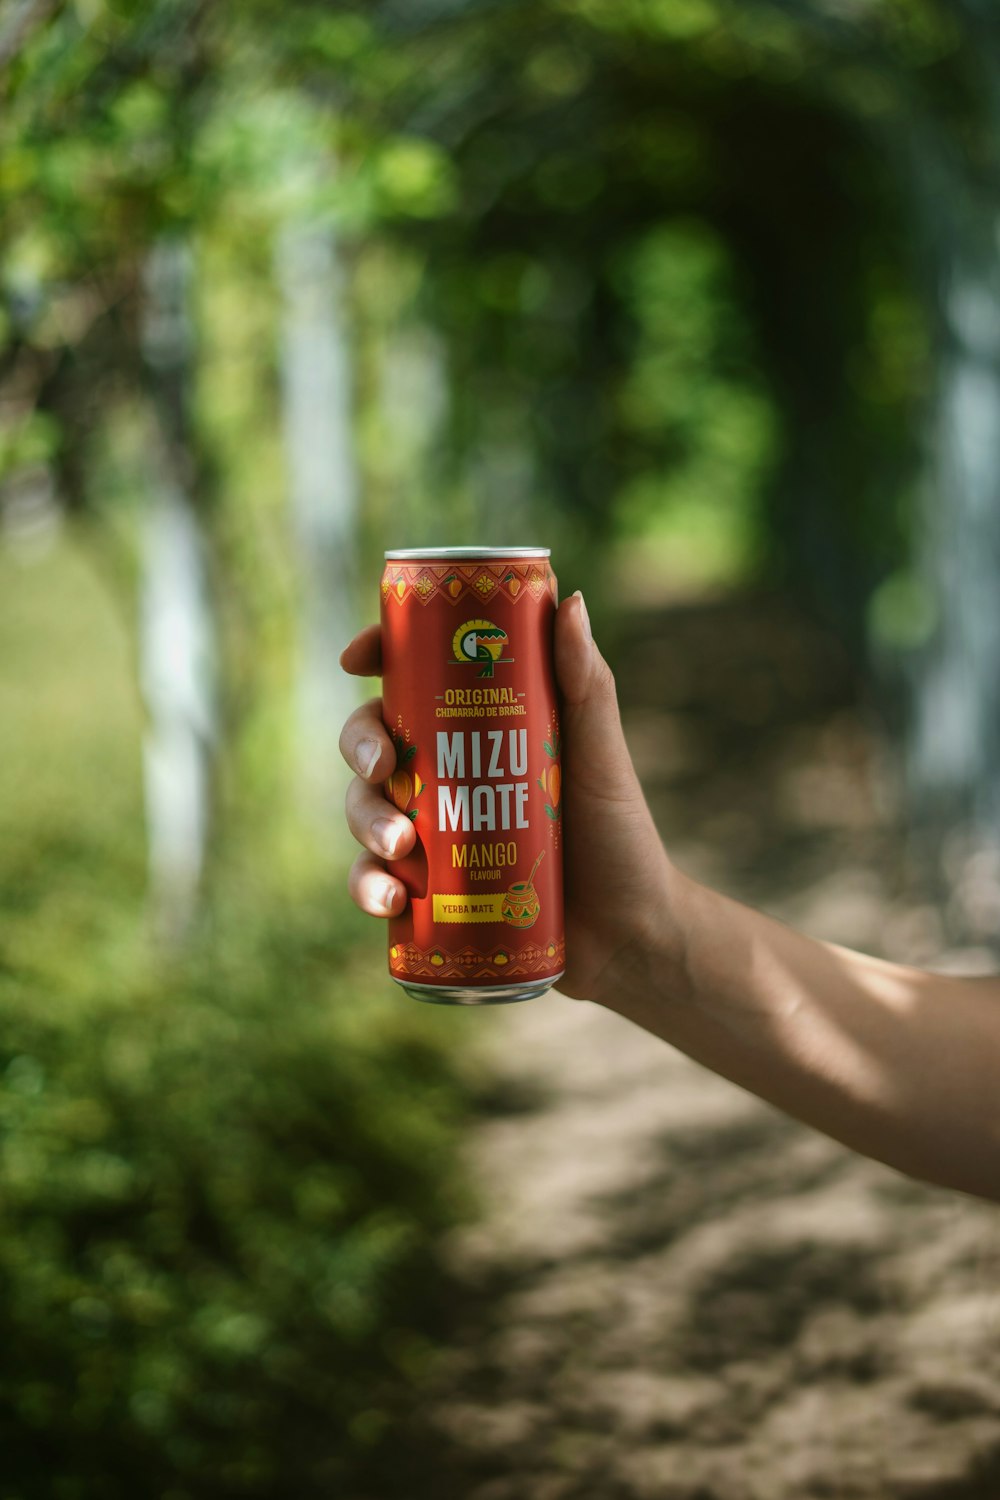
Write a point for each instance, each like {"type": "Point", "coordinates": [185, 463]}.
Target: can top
{"type": "Point", "coordinates": [462, 554]}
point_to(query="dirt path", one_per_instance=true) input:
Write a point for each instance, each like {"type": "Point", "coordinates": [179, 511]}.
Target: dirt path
{"type": "Point", "coordinates": [675, 1292]}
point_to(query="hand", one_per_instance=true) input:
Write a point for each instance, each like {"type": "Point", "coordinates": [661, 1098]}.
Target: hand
{"type": "Point", "coordinates": [616, 870]}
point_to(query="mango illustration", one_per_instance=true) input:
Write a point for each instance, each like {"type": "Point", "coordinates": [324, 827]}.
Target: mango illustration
{"type": "Point", "coordinates": [453, 586]}
{"type": "Point", "coordinates": [402, 791]}
{"type": "Point", "coordinates": [400, 587]}
{"type": "Point", "coordinates": [437, 960]}
{"type": "Point", "coordinates": [399, 789]}
{"type": "Point", "coordinates": [555, 784]}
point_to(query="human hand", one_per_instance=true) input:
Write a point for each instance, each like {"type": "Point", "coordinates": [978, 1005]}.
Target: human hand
{"type": "Point", "coordinates": [616, 870]}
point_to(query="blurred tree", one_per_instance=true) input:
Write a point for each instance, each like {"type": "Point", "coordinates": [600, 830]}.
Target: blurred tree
{"type": "Point", "coordinates": [519, 157]}
{"type": "Point", "coordinates": [949, 622]}
{"type": "Point", "coordinates": [317, 398]}
{"type": "Point", "coordinates": [218, 1234]}
{"type": "Point", "coordinates": [576, 132]}
{"type": "Point", "coordinates": [848, 163]}
{"type": "Point", "coordinates": [177, 635]}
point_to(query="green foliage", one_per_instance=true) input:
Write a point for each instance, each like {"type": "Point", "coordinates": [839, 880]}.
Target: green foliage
{"type": "Point", "coordinates": [223, 1173]}
{"type": "Point", "coordinates": [678, 294]}
{"type": "Point", "coordinates": [216, 1209]}
{"type": "Point", "coordinates": [217, 1202]}
{"type": "Point", "coordinates": [695, 405]}
{"type": "Point", "coordinates": [493, 173]}
{"type": "Point", "coordinates": [901, 613]}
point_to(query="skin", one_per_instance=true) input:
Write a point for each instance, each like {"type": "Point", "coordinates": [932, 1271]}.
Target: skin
{"type": "Point", "coordinates": [899, 1063]}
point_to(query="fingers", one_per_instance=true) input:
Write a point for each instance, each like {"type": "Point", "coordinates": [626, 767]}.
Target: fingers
{"type": "Point", "coordinates": [373, 889]}
{"type": "Point", "coordinates": [365, 743]}
{"type": "Point", "coordinates": [376, 824]}
{"type": "Point", "coordinates": [577, 659]}
{"type": "Point", "coordinates": [369, 751]}
{"type": "Point", "coordinates": [362, 656]}
{"type": "Point", "coordinates": [585, 679]}
{"type": "Point", "coordinates": [384, 831]}
{"type": "Point", "coordinates": [591, 724]}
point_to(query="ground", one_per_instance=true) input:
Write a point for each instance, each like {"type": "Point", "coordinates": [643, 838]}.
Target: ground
{"type": "Point", "coordinates": [674, 1292]}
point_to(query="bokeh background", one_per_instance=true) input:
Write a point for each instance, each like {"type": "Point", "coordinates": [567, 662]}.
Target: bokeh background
{"type": "Point", "coordinates": [704, 296]}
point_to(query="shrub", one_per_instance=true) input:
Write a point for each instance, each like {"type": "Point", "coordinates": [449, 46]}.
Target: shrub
{"type": "Point", "coordinates": [221, 1183]}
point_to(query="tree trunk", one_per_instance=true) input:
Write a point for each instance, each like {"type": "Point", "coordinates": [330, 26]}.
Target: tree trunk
{"type": "Point", "coordinates": [317, 414]}
{"type": "Point", "coordinates": [953, 755]}
{"type": "Point", "coordinates": [176, 621]}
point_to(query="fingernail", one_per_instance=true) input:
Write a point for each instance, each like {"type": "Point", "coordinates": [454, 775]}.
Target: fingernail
{"type": "Point", "coordinates": [387, 895]}
{"type": "Point", "coordinates": [366, 755]}
{"type": "Point", "coordinates": [584, 617]}
{"type": "Point", "coordinates": [387, 831]}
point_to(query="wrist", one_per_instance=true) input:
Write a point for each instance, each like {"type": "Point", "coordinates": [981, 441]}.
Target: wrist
{"type": "Point", "coordinates": [651, 965]}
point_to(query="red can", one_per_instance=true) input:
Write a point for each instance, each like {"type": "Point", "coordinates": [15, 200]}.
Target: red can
{"type": "Point", "coordinates": [469, 700]}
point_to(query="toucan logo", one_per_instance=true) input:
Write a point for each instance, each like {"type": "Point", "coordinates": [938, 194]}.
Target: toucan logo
{"type": "Point", "coordinates": [480, 641]}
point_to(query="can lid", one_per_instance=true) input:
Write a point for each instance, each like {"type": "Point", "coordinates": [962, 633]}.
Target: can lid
{"type": "Point", "coordinates": [463, 554]}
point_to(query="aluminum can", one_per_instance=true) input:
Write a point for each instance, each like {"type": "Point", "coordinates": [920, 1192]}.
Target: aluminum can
{"type": "Point", "coordinates": [469, 700]}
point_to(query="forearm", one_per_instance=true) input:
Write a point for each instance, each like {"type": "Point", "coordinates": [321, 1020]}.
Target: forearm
{"type": "Point", "coordinates": [898, 1063]}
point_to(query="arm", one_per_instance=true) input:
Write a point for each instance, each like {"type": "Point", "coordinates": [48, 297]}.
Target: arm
{"type": "Point", "coordinates": [898, 1063]}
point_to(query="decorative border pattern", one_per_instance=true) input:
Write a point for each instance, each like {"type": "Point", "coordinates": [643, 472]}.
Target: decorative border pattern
{"type": "Point", "coordinates": [407, 961]}
{"type": "Point", "coordinates": [456, 581]}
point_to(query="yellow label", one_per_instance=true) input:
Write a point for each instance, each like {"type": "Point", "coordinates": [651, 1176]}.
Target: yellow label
{"type": "Point", "coordinates": [468, 908]}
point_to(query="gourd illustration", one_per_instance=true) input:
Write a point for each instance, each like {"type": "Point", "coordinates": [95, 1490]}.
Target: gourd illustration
{"type": "Point", "coordinates": [479, 640]}
{"type": "Point", "coordinates": [521, 905]}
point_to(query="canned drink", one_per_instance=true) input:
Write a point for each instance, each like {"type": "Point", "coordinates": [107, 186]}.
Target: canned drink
{"type": "Point", "coordinates": [470, 703]}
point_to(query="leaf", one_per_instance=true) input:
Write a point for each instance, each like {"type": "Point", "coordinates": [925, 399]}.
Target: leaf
{"type": "Point", "coordinates": [409, 754]}
{"type": "Point", "coordinates": [552, 813]}
{"type": "Point", "coordinates": [548, 749]}
{"type": "Point", "coordinates": [423, 788]}
{"type": "Point", "coordinates": [413, 814]}
{"type": "Point", "coordinates": [540, 782]}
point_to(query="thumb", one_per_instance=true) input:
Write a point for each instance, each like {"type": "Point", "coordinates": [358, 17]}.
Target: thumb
{"type": "Point", "coordinates": [592, 730]}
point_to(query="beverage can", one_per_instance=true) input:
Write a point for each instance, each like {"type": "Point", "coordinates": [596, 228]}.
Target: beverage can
{"type": "Point", "coordinates": [469, 700]}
